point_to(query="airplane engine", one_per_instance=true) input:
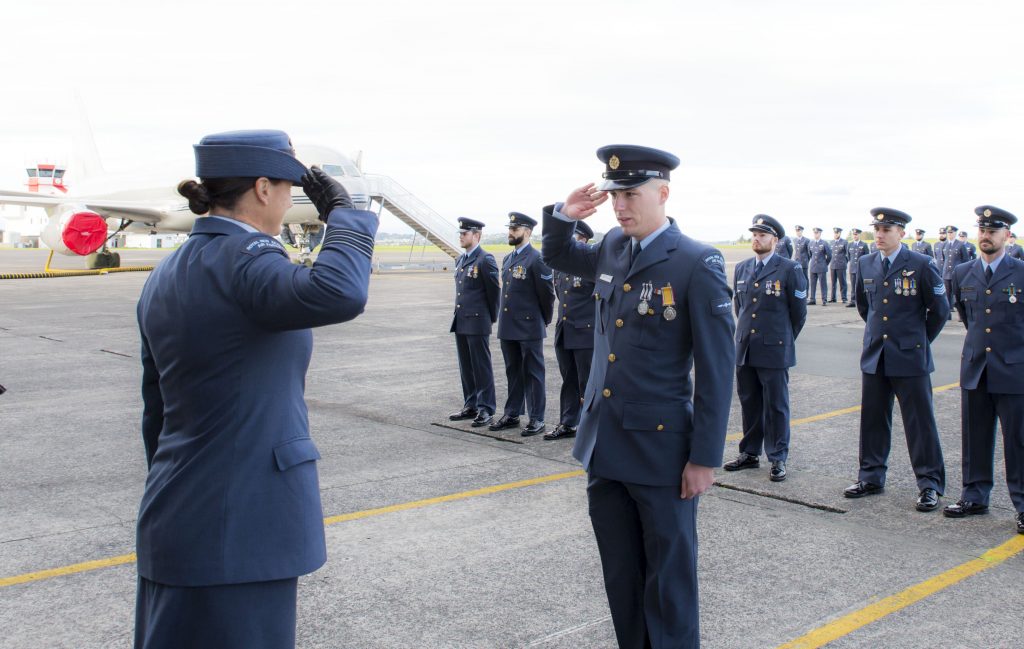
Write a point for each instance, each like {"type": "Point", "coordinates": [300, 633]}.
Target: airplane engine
{"type": "Point", "coordinates": [75, 232]}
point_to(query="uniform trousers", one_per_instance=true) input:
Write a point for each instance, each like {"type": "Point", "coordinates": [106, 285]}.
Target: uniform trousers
{"type": "Point", "coordinates": [915, 395]}
{"type": "Point", "coordinates": [980, 411]}
{"type": "Point", "coordinates": [949, 296]}
{"type": "Point", "coordinates": [853, 288]}
{"type": "Point", "coordinates": [475, 368]}
{"type": "Point", "coordinates": [647, 538]}
{"type": "Point", "coordinates": [764, 402]}
{"type": "Point", "coordinates": [838, 281]}
{"type": "Point", "coordinates": [817, 278]}
{"type": "Point", "coordinates": [258, 615]}
{"type": "Point", "coordinates": [806, 273]}
{"type": "Point", "coordinates": [574, 366]}
{"type": "Point", "coordinates": [524, 369]}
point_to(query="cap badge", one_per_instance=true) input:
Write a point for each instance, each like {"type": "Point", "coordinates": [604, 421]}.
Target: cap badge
{"type": "Point", "coordinates": [512, 219]}
{"type": "Point", "coordinates": [760, 221]}
{"type": "Point", "coordinates": [880, 217]}
{"type": "Point", "coordinates": [613, 162]}
{"type": "Point", "coordinates": [988, 212]}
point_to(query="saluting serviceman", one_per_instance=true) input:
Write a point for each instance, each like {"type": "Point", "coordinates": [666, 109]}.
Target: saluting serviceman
{"type": "Point", "coordinates": [476, 309]}
{"type": "Point", "coordinates": [920, 245]}
{"type": "Point", "coordinates": [821, 255]}
{"type": "Point", "coordinates": [901, 298]}
{"type": "Point", "coordinates": [574, 341]}
{"type": "Point", "coordinates": [527, 304]}
{"type": "Point", "coordinates": [972, 252]}
{"type": "Point", "coordinates": [800, 252]}
{"type": "Point", "coordinates": [1013, 249]}
{"type": "Point", "coordinates": [837, 265]}
{"type": "Point", "coordinates": [648, 441]}
{"type": "Point", "coordinates": [231, 512]}
{"type": "Point", "coordinates": [990, 298]}
{"type": "Point", "coordinates": [954, 254]}
{"type": "Point", "coordinates": [855, 250]}
{"type": "Point", "coordinates": [784, 248]}
{"type": "Point", "coordinates": [770, 296]}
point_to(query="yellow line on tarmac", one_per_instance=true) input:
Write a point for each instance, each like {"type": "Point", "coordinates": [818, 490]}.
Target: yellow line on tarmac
{"type": "Point", "coordinates": [836, 413]}
{"type": "Point", "coordinates": [874, 612]}
{"type": "Point", "coordinates": [74, 568]}
{"type": "Point", "coordinates": [109, 562]}
{"type": "Point", "coordinates": [416, 504]}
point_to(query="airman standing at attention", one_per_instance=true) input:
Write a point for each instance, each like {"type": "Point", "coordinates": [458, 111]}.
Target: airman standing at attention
{"type": "Point", "coordinates": [784, 248]}
{"type": "Point", "coordinates": [855, 250]}
{"type": "Point", "coordinates": [527, 304]}
{"type": "Point", "coordinates": [972, 252]}
{"type": "Point", "coordinates": [800, 253]}
{"type": "Point", "coordinates": [837, 265]}
{"type": "Point", "coordinates": [954, 254]}
{"type": "Point", "coordinates": [574, 341]}
{"type": "Point", "coordinates": [648, 441]}
{"type": "Point", "coordinates": [821, 255]}
{"type": "Point", "coordinates": [1013, 249]}
{"type": "Point", "coordinates": [476, 309]}
{"type": "Point", "coordinates": [902, 301]}
{"type": "Point", "coordinates": [920, 245]}
{"type": "Point", "coordinates": [770, 297]}
{"type": "Point", "coordinates": [939, 250]}
{"type": "Point", "coordinates": [990, 299]}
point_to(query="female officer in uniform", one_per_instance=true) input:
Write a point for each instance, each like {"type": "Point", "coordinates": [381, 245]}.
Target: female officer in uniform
{"type": "Point", "coordinates": [231, 512]}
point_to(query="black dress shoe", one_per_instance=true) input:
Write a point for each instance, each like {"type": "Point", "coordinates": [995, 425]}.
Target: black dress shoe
{"type": "Point", "coordinates": [743, 461]}
{"type": "Point", "coordinates": [533, 428]}
{"type": "Point", "coordinates": [483, 418]}
{"type": "Point", "coordinates": [850, 305]}
{"type": "Point", "coordinates": [465, 413]}
{"type": "Point", "coordinates": [928, 500]}
{"type": "Point", "coordinates": [1020, 522]}
{"type": "Point", "coordinates": [861, 489]}
{"type": "Point", "coordinates": [810, 301]}
{"type": "Point", "coordinates": [561, 431]}
{"type": "Point", "coordinates": [964, 508]}
{"type": "Point", "coordinates": [778, 472]}
{"type": "Point", "coordinates": [505, 422]}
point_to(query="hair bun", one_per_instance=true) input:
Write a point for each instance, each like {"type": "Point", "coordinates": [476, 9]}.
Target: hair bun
{"type": "Point", "coordinates": [198, 196]}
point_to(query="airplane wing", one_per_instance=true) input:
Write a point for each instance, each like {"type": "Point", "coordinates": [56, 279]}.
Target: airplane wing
{"type": "Point", "coordinates": [131, 210]}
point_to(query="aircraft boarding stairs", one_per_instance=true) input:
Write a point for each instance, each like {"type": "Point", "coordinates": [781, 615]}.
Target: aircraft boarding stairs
{"type": "Point", "coordinates": [414, 213]}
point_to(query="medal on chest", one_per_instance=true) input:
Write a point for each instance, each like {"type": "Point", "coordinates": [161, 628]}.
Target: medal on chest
{"type": "Point", "coordinates": [1013, 292]}
{"type": "Point", "coordinates": [906, 284]}
{"type": "Point", "coordinates": [577, 281]}
{"type": "Point", "coordinates": [668, 302]}
{"type": "Point", "coordinates": [646, 293]}
{"type": "Point", "coordinates": [773, 288]}
{"type": "Point", "coordinates": [518, 272]}
{"type": "Point", "coordinates": [474, 272]}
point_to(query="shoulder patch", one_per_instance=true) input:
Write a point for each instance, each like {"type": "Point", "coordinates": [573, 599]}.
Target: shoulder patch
{"type": "Point", "coordinates": [721, 305]}
{"type": "Point", "coordinates": [715, 260]}
{"type": "Point", "coordinates": [260, 244]}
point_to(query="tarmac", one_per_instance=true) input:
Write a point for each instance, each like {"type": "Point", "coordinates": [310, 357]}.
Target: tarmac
{"type": "Point", "coordinates": [439, 536]}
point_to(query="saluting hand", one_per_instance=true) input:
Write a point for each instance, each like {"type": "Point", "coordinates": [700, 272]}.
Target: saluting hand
{"type": "Point", "coordinates": [583, 202]}
{"type": "Point", "coordinates": [325, 192]}
{"type": "Point", "coordinates": [697, 479]}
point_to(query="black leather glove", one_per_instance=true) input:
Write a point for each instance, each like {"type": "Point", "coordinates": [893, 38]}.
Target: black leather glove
{"type": "Point", "coordinates": [325, 192]}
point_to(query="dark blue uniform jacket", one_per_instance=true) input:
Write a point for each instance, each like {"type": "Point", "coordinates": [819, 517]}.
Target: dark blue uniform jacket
{"type": "Point", "coordinates": [771, 308]}
{"type": "Point", "coordinates": [900, 326]}
{"type": "Point", "coordinates": [476, 294]}
{"type": "Point", "coordinates": [232, 494]}
{"type": "Point", "coordinates": [575, 325]}
{"type": "Point", "coordinates": [995, 325]}
{"type": "Point", "coordinates": [527, 296]}
{"type": "Point", "coordinates": [641, 419]}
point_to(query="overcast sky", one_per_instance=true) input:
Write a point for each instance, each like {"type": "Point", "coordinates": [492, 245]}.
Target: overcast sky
{"type": "Point", "coordinates": [811, 111]}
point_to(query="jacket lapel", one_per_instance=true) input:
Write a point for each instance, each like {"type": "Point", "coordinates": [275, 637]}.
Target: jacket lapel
{"type": "Point", "coordinates": [1002, 272]}
{"type": "Point", "coordinates": [900, 263]}
{"type": "Point", "coordinates": [655, 253]}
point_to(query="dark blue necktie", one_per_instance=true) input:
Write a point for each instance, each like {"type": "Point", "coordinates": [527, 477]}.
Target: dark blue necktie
{"type": "Point", "coordinates": [758, 268]}
{"type": "Point", "coordinates": [885, 267]}
{"type": "Point", "coordinates": [988, 274]}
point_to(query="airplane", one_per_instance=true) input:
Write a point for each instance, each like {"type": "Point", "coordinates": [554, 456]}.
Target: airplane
{"type": "Point", "coordinates": [80, 218]}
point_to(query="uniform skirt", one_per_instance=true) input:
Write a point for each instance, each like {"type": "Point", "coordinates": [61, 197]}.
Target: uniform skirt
{"type": "Point", "coordinates": [258, 615]}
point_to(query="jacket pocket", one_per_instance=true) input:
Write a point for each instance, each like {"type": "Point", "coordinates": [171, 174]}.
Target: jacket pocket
{"type": "Point", "coordinates": [667, 417]}
{"type": "Point", "coordinates": [295, 451]}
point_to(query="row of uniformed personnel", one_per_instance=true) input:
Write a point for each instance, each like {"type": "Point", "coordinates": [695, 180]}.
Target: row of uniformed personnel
{"type": "Point", "coordinates": [901, 296]}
